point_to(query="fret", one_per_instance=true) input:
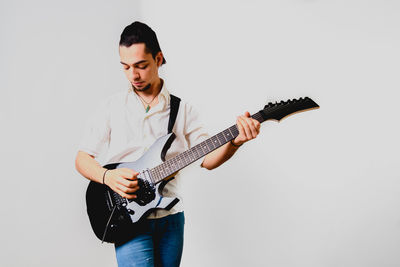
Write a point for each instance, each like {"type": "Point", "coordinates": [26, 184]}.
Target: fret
{"type": "Point", "coordinates": [227, 134]}
{"type": "Point", "coordinates": [203, 148]}
{"type": "Point", "coordinates": [209, 144]}
{"type": "Point", "coordinates": [189, 155]}
{"type": "Point", "coordinates": [200, 150]}
{"type": "Point", "coordinates": [232, 136]}
{"type": "Point", "coordinates": [170, 168]}
{"type": "Point", "coordinates": [186, 158]}
{"type": "Point", "coordinates": [192, 154]}
{"type": "Point", "coordinates": [221, 138]}
{"type": "Point", "coordinates": [167, 165]}
{"type": "Point", "coordinates": [159, 172]}
{"type": "Point", "coordinates": [180, 161]}
{"type": "Point", "coordinates": [215, 142]}
{"type": "Point", "coordinates": [173, 165]}
{"type": "Point", "coordinates": [176, 161]}
{"type": "Point", "coordinates": [183, 160]}
{"type": "Point", "coordinates": [167, 169]}
{"type": "Point", "coordinates": [197, 151]}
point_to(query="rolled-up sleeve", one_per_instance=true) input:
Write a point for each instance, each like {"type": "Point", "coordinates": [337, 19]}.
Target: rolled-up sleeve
{"type": "Point", "coordinates": [195, 131]}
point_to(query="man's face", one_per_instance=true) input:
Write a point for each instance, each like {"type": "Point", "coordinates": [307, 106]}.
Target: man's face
{"type": "Point", "coordinates": [140, 67]}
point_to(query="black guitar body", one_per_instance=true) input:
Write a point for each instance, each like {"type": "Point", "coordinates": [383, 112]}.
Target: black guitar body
{"type": "Point", "coordinates": [100, 207]}
{"type": "Point", "coordinates": [115, 219]}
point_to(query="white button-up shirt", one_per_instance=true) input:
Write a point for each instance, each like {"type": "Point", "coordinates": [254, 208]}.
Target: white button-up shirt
{"type": "Point", "coordinates": [121, 131]}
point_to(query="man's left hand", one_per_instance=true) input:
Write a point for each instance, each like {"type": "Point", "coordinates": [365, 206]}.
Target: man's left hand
{"type": "Point", "coordinates": [248, 127]}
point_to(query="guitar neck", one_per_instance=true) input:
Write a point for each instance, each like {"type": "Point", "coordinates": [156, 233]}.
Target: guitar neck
{"type": "Point", "coordinates": [171, 166]}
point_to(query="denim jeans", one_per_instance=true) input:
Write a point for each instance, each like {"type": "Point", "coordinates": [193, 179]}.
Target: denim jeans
{"type": "Point", "coordinates": [160, 244]}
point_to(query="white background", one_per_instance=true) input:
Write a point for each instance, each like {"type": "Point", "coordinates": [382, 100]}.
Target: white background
{"type": "Point", "coordinates": [320, 188]}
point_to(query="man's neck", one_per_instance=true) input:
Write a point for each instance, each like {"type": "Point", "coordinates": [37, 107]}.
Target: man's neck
{"type": "Point", "coordinates": [152, 92]}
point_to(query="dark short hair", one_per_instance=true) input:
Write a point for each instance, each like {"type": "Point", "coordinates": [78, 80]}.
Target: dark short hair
{"type": "Point", "coordinates": [138, 32]}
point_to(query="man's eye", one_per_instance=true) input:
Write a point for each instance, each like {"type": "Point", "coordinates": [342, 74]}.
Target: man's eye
{"type": "Point", "coordinates": [142, 67]}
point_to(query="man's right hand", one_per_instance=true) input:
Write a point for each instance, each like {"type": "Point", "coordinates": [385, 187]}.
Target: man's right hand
{"type": "Point", "coordinates": [123, 181]}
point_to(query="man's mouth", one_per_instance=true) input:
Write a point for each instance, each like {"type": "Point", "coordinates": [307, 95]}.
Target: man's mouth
{"type": "Point", "coordinates": [138, 84]}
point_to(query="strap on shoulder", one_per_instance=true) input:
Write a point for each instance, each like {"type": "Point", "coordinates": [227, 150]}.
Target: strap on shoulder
{"type": "Point", "coordinates": [174, 107]}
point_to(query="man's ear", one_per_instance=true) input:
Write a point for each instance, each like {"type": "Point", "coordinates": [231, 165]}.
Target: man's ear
{"type": "Point", "coordinates": [159, 59]}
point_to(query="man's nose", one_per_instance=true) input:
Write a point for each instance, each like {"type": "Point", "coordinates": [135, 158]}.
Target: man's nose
{"type": "Point", "coordinates": [135, 74]}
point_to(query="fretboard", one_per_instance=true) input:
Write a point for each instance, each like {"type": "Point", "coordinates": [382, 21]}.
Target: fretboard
{"type": "Point", "coordinates": [171, 166]}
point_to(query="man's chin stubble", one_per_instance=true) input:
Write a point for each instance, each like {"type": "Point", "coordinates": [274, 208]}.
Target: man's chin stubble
{"type": "Point", "coordinates": [147, 87]}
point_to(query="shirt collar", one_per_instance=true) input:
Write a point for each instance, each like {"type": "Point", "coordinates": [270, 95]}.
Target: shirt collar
{"type": "Point", "coordinates": [163, 101]}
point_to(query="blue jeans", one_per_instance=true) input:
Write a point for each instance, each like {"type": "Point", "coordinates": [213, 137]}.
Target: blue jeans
{"type": "Point", "coordinates": [159, 244]}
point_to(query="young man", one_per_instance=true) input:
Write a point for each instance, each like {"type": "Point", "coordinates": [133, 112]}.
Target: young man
{"type": "Point", "coordinates": [127, 125]}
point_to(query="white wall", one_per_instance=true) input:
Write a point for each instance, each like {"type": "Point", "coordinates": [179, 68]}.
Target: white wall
{"type": "Point", "coordinates": [319, 189]}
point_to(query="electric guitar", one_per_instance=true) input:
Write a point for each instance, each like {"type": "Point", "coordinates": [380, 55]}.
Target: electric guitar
{"type": "Point", "coordinates": [115, 219]}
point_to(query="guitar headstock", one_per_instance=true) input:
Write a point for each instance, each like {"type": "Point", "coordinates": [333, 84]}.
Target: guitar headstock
{"type": "Point", "coordinates": [279, 110]}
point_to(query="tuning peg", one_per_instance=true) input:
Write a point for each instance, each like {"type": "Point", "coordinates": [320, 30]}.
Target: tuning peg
{"type": "Point", "coordinates": [269, 105]}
